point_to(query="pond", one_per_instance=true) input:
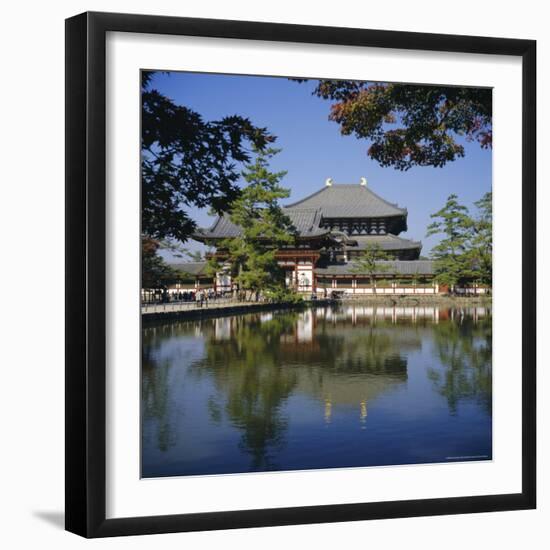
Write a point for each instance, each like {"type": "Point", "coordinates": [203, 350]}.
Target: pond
{"type": "Point", "coordinates": [328, 387]}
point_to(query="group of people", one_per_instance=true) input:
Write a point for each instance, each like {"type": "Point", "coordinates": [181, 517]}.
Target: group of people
{"type": "Point", "coordinates": [200, 296]}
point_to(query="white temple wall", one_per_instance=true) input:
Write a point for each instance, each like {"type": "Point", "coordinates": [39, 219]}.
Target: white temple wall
{"type": "Point", "coordinates": [380, 291]}
{"type": "Point", "coordinates": [305, 276]}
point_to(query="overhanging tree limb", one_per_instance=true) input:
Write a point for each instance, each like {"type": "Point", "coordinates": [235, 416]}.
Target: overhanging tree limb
{"type": "Point", "coordinates": [410, 125]}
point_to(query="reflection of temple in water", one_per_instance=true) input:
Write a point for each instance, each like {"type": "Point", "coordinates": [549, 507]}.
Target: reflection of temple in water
{"type": "Point", "coordinates": [340, 366]}
{"type": "Point", "coordinates": [357, 314]}
{"type": "Point", "coordinates": [332, 364]}
{"type": "Point", "coordinates": [336, 391]}
{"type": "Point", "coordinates": [327, 358]}
{"type": "Point", "coordinates": [320, 342]}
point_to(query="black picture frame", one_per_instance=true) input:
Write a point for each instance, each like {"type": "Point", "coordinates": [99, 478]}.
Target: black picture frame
{"type": "Point", "coordinates": [86, 278]}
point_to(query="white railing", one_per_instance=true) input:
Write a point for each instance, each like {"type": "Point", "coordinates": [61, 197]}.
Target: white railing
{"type": "Point", "coordinates": [172, 307]}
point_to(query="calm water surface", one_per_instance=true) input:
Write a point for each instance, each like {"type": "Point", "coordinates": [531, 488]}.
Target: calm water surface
{"type": "Point", "coordinates": [322, 388]}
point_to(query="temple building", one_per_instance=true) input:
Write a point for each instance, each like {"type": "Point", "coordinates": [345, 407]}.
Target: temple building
{"type": "Point", "coordinates": [334, 227]}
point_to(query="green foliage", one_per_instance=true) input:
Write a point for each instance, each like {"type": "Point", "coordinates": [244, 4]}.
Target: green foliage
{"type": "Point", "coordinates": [282, 294]}
{"type": "Point", "coordinates": [177, 250]}
{"type": "Point", "coordinates": [265, 229]}
{"type": "Point", "coordinates": [410, 125]}
{"type": "Point", "coordinates": [213, 267]}
{"type": "Point", "coordinates": [452, 261]}
{"type": "Point", "coordinates": [482, 240]}
{"type": "Point", "coordinates": [155, 272]}
{"type": "Point", "coordinates": [188, 162]}
{"type": "Point", "coordinates": [369, 262]}
{"type": "Point", "coordinates": [465, 252]}
{"type": "Point", "coordinates": [195, 255]}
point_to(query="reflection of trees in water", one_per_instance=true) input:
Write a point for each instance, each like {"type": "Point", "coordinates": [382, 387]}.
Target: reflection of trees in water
{"type": "Point", "coordinates": [258, 361]}
{"type": "Point", "coordinates": [155, 398]}
{"type": "Point", "coordinates": [155, 394]}
{"type": "Point", "coordinates": [248, 373]}
{"type": "Point", "coordinates": [262, 363]}
{"type": "Point", "coordinates": [156, 380]}
{"type": "Point", "coordinates": [465, 350]}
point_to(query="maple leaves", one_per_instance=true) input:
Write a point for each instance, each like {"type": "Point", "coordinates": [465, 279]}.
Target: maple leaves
{"type": "Point", "coordinates": [410, 125]}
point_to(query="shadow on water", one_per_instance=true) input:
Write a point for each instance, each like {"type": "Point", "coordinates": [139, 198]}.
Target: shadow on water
{"type": "Point", "coordinates": [265, 373]}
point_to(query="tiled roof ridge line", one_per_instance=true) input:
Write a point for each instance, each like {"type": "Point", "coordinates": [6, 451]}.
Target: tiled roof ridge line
{"type": "Point", "coordinates": [394, 204]}
{"type": "Point", "coordinates": [318, 192]}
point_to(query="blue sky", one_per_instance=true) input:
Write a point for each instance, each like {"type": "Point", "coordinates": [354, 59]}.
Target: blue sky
{"type": "Point", "coordinates": [313, 148]}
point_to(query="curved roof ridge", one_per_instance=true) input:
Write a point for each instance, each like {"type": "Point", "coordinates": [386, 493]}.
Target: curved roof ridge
{"type": "Point", "coordinates": [216, 222]}
{"type": "Point", "coordinates": [305, 209]}
{"type": "Point", "coordinates": [397, 237]}
{"type": "Point", "coordinates": [388, 241]}
{"type": "Point", "coordinates": [383, 236]}
{"type": "Point", "coordinates": [318, 192]}
{"type": "Point", "coordinates": [393, 204]}
{"type": "Point", "coordinates": [349, 200]}
{"type": "Point", "coordinates": [305, 220]}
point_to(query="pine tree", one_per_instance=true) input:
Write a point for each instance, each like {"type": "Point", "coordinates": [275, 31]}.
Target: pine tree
{"type": "Point", "coordinates": [482, 240]}
{"type": "Point", "coordinates": [369, 264]}
{"type": "Point", "coordinates": [195, 255]}
{"type": "Point", "coordinates": [453, 259]}
{"type": "Point", "coordinates": [264, 230]}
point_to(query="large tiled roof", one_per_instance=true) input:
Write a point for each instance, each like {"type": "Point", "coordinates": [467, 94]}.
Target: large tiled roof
{"type": "Point", "coordinates": [334, 201]}
{"type": "Point", "coordinates": [349, 201]}
{"type": "Point", "coordinates": [385, 242]}
{"type": "Point", "coordinates": [189, 268]}
{"type": "Point", "coordinates": [222, 228]}
{"type": "Point", "coordinates": [397, 267]}
{"type": "Point", "coordinates": [305, 220]}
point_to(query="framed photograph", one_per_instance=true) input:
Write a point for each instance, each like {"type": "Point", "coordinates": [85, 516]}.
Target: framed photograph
{"type": "Point", "coordinates": [300, 274]}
